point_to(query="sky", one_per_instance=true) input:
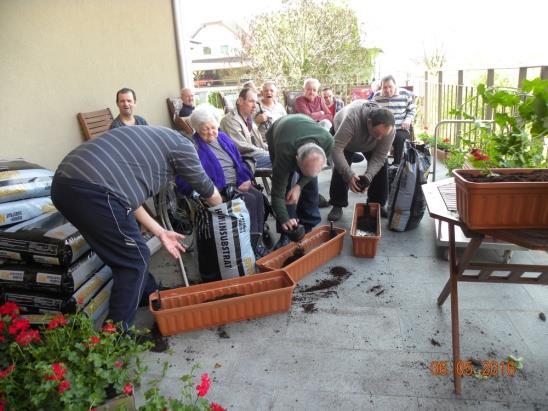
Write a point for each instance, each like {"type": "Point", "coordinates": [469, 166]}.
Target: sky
{"type": "Point", "coordinates": [474, 34]}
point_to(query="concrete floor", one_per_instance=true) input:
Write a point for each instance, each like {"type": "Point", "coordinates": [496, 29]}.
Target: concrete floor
{"type": "Point", "coordinates": [366, 349]}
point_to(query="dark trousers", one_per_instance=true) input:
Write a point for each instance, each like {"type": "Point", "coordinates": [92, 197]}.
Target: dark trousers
{"type": "Point", "coordinates": [307, 209]}
{"type": "Point", "coordinates": [254, 203]}
{"type": "Point", "coordinates": [376, 193]}
{"type": "Point", "coordinates": [113, 233]}
{"type": "Point", "coordinates": [398, 144]}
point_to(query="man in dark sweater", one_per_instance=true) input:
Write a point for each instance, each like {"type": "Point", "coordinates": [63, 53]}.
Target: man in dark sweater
{"type": "Point", "coordinates": [100, 187]}
{"type": "Point", "coordinates": [297, 144]}
{"type": "Point", "coordinates": [126, 101]}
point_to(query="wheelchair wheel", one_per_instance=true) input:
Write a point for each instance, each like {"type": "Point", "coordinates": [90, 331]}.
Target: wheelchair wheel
{"type": "Point", "coordinates": [177, 214]}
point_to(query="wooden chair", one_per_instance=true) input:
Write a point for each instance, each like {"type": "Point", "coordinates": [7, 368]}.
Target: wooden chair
{"type": "Point", "coordinates": [174, 105]}
{"type": "Point", "coordinates": [95, 123]}
{"type": "Point", "coordinates": [289, 99]}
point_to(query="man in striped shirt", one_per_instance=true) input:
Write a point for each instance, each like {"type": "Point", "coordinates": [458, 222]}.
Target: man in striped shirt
{"type": "Point", "coordinates": [100, 187]}
{"type": "Point", "coordinates": [401, 103]}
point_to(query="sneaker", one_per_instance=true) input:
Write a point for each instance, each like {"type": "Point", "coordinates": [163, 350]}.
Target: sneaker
{"type": "Point", "coordinates": [282, 242]}
{"type": "Point", "coordinates": [261, 251]}
{"type": "Point", "coordinates": [357, 157]}
{"type": "Point", "coordinates": [322, 201]}
{"type": "Point", "coordinates": [335, 214]}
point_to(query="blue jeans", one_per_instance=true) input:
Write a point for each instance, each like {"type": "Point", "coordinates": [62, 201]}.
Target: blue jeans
{"type": "Point", "coordinates": [264, 162]}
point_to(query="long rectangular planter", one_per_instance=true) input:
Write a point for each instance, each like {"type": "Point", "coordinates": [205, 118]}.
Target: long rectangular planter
{"type": "Point", "coordinates": [221, 302]}
{"type": "Point", "coordinates": [500, 205]}
{"type": "Point", "coordinates": [365, 246]}
{"type": "Point", "coordinates": [318, 247]}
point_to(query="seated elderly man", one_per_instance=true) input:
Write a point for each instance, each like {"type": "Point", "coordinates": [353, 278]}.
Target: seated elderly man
{"type": "Point", "coordinates": [224, 165]}
{"type": "Point", "coordinates": [333, 103]}
{"type": "Point", "coordinates": [401, 103]}
{"type": "Point", "coordinates": [237, 123]}
{"type": "Point", "coordinates": [269, 109]}
{"type": "Point", "coordinates": [312, 105]}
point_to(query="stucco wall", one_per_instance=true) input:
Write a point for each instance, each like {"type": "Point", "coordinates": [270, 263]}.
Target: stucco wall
{"type": "Point", "coordinates": [61, 57]}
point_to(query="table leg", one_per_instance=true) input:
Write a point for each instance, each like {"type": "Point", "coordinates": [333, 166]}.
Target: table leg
{"type": "Point", "coordinates": [454, 308]}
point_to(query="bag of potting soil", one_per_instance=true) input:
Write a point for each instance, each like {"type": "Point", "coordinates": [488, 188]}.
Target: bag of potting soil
{"type": "Point", "coordinates": [46, 239]}
{"type": "Point", "coordinates": [21, 180]}
{"type": "Point", "coordinates": [98, 306]}
{"type": "Point", "coordinates": [406, 203]}
{"type": "Point", "coordinates": [22, 210]}
{"type": "Point", "coordinates": [223, 241]}
{"type": "Point", "coordinates": [60, 280]}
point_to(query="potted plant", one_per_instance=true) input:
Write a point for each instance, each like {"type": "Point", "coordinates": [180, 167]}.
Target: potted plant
{"type": "Point", "coordinates": [444, 145]}
{"type": "Point", "coordinates": [510, 192]}
{"type": "Point", "coordinates": [66, 364]}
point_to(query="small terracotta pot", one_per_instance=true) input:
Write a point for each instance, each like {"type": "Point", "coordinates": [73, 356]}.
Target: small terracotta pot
{"type": "Point", "coordinates": [365, 246]}
{"type": "Point", "coordinates": [318, 247]}
{"type": "Point", "coordinates": [500, 205]}
{"type": "Point", "coordinates": [221, 302]}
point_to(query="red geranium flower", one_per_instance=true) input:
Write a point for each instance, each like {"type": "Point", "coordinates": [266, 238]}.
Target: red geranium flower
{"type": "Point", "coordinates": [18, 325]}
{"type": "Point", "coordinates": [128, 389]}
{"type": "Point", "coordinates": [57, 321]}
{"type": "Point", "coordinates": [26, 337]}
{"type": "Point", "coordinates": [9, 369]}
{"type": "Point", "coordinates": [216, 407]}
{"type": "Point", "coordinates": [118, 363]}
{"type": "Point", "coordinates": [59, 372]}
{"type": "Point", "coordinates": [63, 386]}
{"type": "Point", "coordinates": [109, 328]}
{"type": "Point", "coordinates": [204, 386]}
{"type": "Point", "coordinates": [9, 308]}
{"type": "Point", "coordinates": [94, 340]}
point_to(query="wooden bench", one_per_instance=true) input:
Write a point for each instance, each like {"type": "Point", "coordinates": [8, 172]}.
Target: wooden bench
{"type": "Point", "coordinates": [289, 100]}
{"type": "Point", "coordinates": [174, 105]}
{"type": "Point", "coordinates": [95, 123]}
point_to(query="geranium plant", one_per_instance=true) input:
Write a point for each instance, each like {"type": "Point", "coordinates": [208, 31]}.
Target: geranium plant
{"type": "Point", "coordinates": [191, 398]}
{"type": "Point", "coordinates": [518, 136]}
{"type": "Point", "coordinates": [66, 364]}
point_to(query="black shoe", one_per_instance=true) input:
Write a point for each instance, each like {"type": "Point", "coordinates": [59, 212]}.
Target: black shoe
{"type": "Point", "coordinates": [335, 214]}
{"type": "Point", "coordinates": [322, 201]}
{"type": "Point", "coordinates": [282, 242]}
{"type": "Point", "coordinates": [357, 157]}
{"type": "Point", "coordinates": [267, 239]}
{"type": "Point", "coordinates": [384, 211]}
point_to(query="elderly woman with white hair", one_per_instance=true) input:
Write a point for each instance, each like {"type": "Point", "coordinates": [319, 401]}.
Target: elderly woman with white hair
{"type": "Point", "coordinates": [312, 104]}
{"type": "Point", "coordinates": [224, 165]}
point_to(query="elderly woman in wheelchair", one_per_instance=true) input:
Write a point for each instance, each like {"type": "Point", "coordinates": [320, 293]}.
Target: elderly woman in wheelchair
{"type": "Point", "coordinates": [224, 165]}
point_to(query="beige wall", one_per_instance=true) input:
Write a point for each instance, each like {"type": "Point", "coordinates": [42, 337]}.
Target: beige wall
{"type": "Point", "coordinates": [61, 57]}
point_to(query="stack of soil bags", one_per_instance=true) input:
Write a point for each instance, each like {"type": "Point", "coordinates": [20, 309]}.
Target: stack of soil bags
{"type": "Point", "coordinates": [24, 191]}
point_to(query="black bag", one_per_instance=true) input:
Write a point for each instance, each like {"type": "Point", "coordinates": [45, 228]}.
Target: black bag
{"type": "Point", "coordinates": [406, 203]}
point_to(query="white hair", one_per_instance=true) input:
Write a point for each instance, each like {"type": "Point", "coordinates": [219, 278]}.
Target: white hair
{"type": "Point", "coordinates": [311, 80]}
{"type": "Point", "coordinates": [269, 83]}
{"type": "Point", "coordinates": [308, 149]}
{"type": "Point", "coordinates": [204, 113]}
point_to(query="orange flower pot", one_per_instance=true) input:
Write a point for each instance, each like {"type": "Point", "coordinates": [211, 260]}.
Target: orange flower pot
{"type": "Point", "coordinates": [221, 302]}
{"type": "Point", "coordinates": [318, 247]}
{"type": "Point", "coordinates": [499, 205]}
{"type": "Point", "coordinates": [365, 246]}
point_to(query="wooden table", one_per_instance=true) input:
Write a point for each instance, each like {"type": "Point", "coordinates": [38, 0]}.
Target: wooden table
{"type": "Point", "coordinates": [439, 198]}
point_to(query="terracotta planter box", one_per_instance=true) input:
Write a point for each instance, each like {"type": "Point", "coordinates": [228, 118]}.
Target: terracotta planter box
{"type": "Point", "coordinates": [440, 154]}
{"type": "Point", "coordinates": [501, 204]}
{"type": "Point", "coordinates": [319, 249]}
{"type": "Point", "coordinates": [365, 246]}
{"type": "Point", "coordinates": [221, 302]}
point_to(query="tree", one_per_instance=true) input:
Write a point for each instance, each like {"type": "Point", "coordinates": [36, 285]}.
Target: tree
{"type": "Point", "coordinates": [308, 38]}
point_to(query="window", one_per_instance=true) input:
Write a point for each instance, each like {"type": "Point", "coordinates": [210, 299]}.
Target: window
{"type": "Point", "coordinates": [224, 50]}
{"type": "Point", "coordinates": [207, 51]}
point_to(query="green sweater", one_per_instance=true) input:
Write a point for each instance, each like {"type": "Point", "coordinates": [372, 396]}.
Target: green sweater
{"type": "Point", "coordinates": [285, 136]}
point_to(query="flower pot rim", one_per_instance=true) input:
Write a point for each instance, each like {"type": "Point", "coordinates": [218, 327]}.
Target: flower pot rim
{"type": "Point", "coordinates": [460, 176]}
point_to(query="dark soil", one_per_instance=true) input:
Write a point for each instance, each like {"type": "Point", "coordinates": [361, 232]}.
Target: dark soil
{"type": "Point", "coordinates": [377, 289]}
{"type": "Point", "coordinates": [299, 252]}
{"type": "Point", "coordinates": [222, 333]}
{"type": "Point", "coordinates": [224, 297]}
{"type": "Point", "coordinates": [367, 222]}
{"type": "Point", "coordinates": [309, 308]}
{"type": "Point", "coordinates": [434, 342]}
{"type": "Point", "coordinates": [339, 274]}
{"type": "Point", "coordinates": [533, 176]}
{"type": "Point", "coordinates": [362, 183]}
{"type": "Point", "coordinates": [542, 316]}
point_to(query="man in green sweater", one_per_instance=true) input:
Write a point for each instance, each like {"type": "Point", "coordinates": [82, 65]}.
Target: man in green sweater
{"type": "Point", "coordinates": [298, 146]}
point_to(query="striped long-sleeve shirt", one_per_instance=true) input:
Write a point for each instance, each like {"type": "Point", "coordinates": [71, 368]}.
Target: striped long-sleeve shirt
{"type": "Point", "coordinates": [134, 163]}
{"type": "Point", "coordinates": [401, 104]}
